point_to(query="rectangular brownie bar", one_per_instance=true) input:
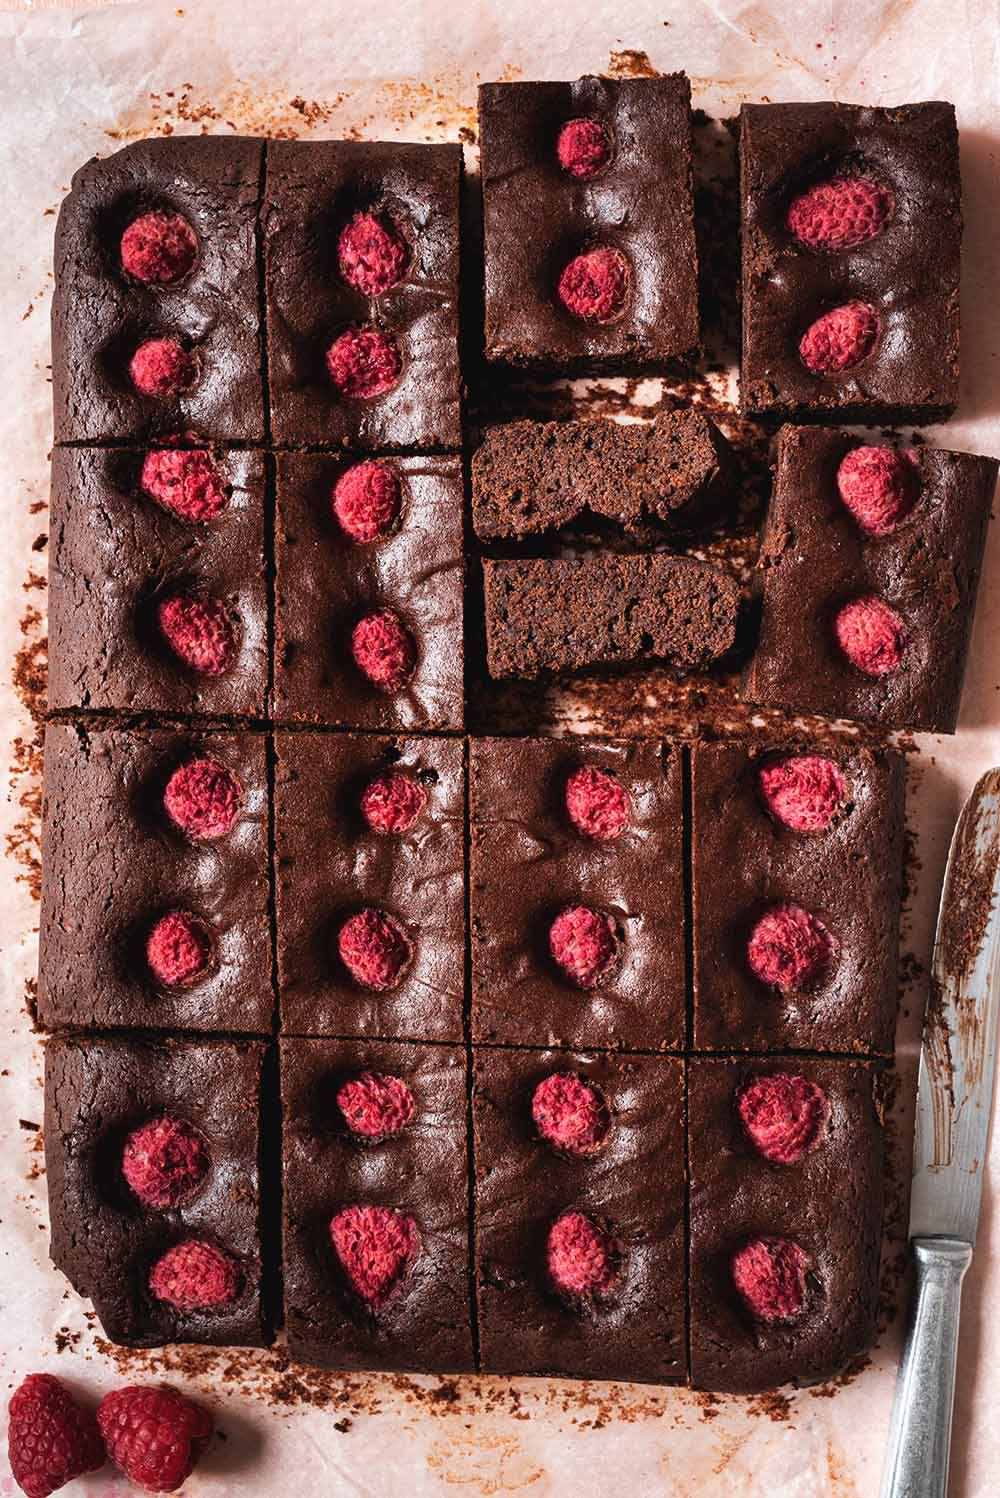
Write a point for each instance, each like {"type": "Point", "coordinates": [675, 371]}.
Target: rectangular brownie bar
{"type": "Point", "coordinates": [155, 881]}
{"type": "Point", "coordinates": [374, 1162]}
{"type": "Point", "coordinates": [852, 230]}
{"type": "Point", "coordinates": [617, 1203]}
{"type": "Point", "coordinates": [590, 259]}
{"type": "Point", "coordinates": [868, 572]}
{"type": "Point", "coordinates": [785, 1243]}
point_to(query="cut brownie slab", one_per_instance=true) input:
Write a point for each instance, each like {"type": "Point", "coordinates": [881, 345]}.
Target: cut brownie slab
{"type": "Point", "coordinates": [579, 1164]}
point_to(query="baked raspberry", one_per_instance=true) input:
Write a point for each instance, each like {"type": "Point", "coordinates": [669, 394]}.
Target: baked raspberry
{"type": "Point", "coordinates": [384, 650]}
{"type": "Point", "coordinates": [203, 798]}
{"type": "Point", "coordinates": [784, 1115]}
{"type": "Point", "coordinates": [841, 339]}
{"type": "Point", "coordinates": [871, 635]}
{"type": "Point", "coordinates": [583, 1258]}
{"type": "Point", "coordinates": [570, 1114]}
{"type": "Point", "coordinates": [597, 805]}
{"type": "Point", "coordinates": [154, 1435]}
{"type": "Point", "coordinates": [789, 949]}
{"type": "Point", "coordinates": [363, 363]}
{"type": "Point", "coordinates": [50, 1440]}
{"type": "Point", "coordinates": [186, 482]}
{"type": "Point", "coordinates": [158, 248]}
{"type": "Point", "coordinates": [160, 367]}
{"type": "Point", "coordinates": [195, 1276]}
{"type": "Point", "coordinates": [879, 485]}
{"type": "Point", "coordinates": [840, 214]}
{"type": "Point", "coordinates": [375, 1105]}
{"type": "Point", "coordinates": [584, 944]}
{"type": "Point", "coordinates": [392, 802]}
{"type": "Point", "coordinates": [375, 949]}
{"type": "Point", "coordinates": [804, 791]}
{"type": "Point", "coordinates": [199, 630]}
{"type": "Point", "coordinates": [371, 253]}
{"type": "Point", "coordinates": [770, 1275]}
{"type": "Point", "coordinates": [375, 1246]}
{"type": "Point", "coordinates": [178, 949]}
{"type": "Point", "coordinates": [164, 1161]}
{"type": "Point", "coordinates": [583, 148]}
{"type": "Point", "coordinates": [595, 285]}
{"type": "Point", "coordinates": [366, 501]}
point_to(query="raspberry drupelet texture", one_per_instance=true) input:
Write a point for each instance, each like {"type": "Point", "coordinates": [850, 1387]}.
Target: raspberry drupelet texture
{"type": "Point", "coordinates": [164, 1161]}
{"type": "Point", "coordinates": [789, 949]}
{"type": "Point", "coordinates": [595, 285]}
{"type": "Point", "coordinates": [199, 630]}
{"type": "Point", "coordinates": [375, 1106]}
{"type": "Point", "coordinates": [366, 501]}
{"type": "Point", "coordinates": [392, 802]}
{"type": "Point", "coordinates": [160, 367]}
{"type": "Point", "coordinates": [186, 482]}
{"type": "Point", "coordinates": [584, 944]}
{"type": "Point", "coordinates": [375, 1246]}
{"type": "Point", "coordinates": [871, 635]}
{"type": "Point", "coordinates": [154, 1435]}
{"type": "Point", "coordinates": [805, 791]}
{"type": "Point", "coordinates": [158, 248]}
{"type": "Point", "coordinates": [178, 949]}
{"type": "Point", "coordinates": [569, 1114]}
{"type": "Point", "coordinates": [783, 1115]}
{"type": "Point", "coordinates": [583, 148]}
{"type": "Point", "coordinates": [363, 363]}
{"type": "Point", "coordinates": [597, 805]}
{"type": "Point", "coordinates": [841, 339]}
{"type": "Point", "coordinates": [195, 1276]}
{"type": "Point", "coordinates": [879, 486]}
{"type": "Point", "coordinates": [375, 949]}
{"type": "Point", "coordinates": [50, 1440]}
{"type": "Point", "coordinates": [840, 214]}
{"type": "Point", "coordinates": [383, 650]}
{"type": "Point", "coordinates": [371, 253]}
{"type": "Point", "coordinates": [203, 798]}
{"type": "Point", "coordinates": [770, 1275]}
{"type": "Point", "coordinates": [583, 1258]}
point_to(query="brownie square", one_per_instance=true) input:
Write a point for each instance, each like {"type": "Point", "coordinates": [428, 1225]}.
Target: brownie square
{"type": "Point", "coordinates": [424, 1325]}
{"type": "Point", "coordinates": [117, 555]}
{"type": "Point", "coordinates": [829, 1202]}
{"type": "Point", "coordinates": [632, 1186]}
{"type": "Point", "coordinates": [746, 863]}
{"type": "Point", "coordinates": [538, 217]}
{"type": "Point", "coordinates": [816, 558]}
{"type": "Point", "coordinates": [103, 1237]}
{"type": "Point", "coordinates": [314, 190]}
{"type": "Point", "coordinates": [331, 865]}
{"type": "Point", "coordinates": [101, 314]}
{"type": "Point", "coordinates": [114, 862]}
{"type": "Point", "coordinates": [326, 583]}
{"type": "Point", "coordinates": [907, 274]}
{"type": "Point", "coordinates": [530, 863]}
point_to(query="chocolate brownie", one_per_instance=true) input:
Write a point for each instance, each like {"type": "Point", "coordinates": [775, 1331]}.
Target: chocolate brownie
{"type": "Point", "coordinates": [868, 572]}
{"type": "Point", "coordinates": [627, 1186]}
{"type": "Point", "coordinates": [151, 1152]}
{"type": "Point", "coordinates": [155, 881]}
{"type": "Point", "coordinates": [376, 1233]}
{"type": "Point", "coordinates": [816, 1188]}
{"type": "Point", "coordinates": [545, 614]}
{"type": "Point", "coordinates": [156, 250]}
{"type": "Point", "coordinates": [128, 575]}
{"type": "Point", "coordinates": [852, 229]}
{"type": "Point", "coordinates": [362, 237]}
{"type": "Point", "coordinates": [576, 844]}
{"type": "Point", "coordinates": [796, 875]}
{"type": "Point", "coordinates": [590, 259]}
{"type": "Point", "coordinates": [329, 583]}
{"type": "Point", "coordinates": [371, 885]}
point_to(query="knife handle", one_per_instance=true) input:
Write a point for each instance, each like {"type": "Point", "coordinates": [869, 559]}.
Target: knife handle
{"type": "Point", "coordinates": [920, 1433]}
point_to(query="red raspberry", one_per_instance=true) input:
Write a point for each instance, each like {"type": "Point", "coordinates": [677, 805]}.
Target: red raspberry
{"type": "Point", "coordinates": [158, 248]}
{"type": "Point", "coordinates": [804, 791]}
{"type": "Point", "coordinates": [594, 285]}
{"type": "Point", "coordinates": [50, 1440]}
{"type": "Point", "coordinates": [195, 1276]}
{"type": "Point", "coordinates": [161, 368]}
{"type": "Point", "coordinates": [784, 1115]}
{"type": "Point", "coordinates": [200, 632]}
{"type": "Point", "coordinates": [770, 1275]}
{"type": "Point", "coordinates": [375, 949]}
{"type": "Point", "coordinates": [155, 1436]}
{"type": "Point", "coordinates": [375, 1246]}
{"type": "Point", "coordinates": [363, 363]}
{"type": "Point", "coordinates": [371, 253]}
{"type": "Point", "coordinates": [570, 1114]}
{"type": "Point", "coordinates": [203, 799]}
{"type": "Point", "coordinates": [583, 1258]}
{"type": "Point", "coordinates": [871, 635]}
{"type": "Point", "coordinates": [376, 1106]}
{"type": "Point", "coordinates": [790, 949]}
{"type": "Point", "coordinates": [879, 486]}
{"type": "Point", "coordinates": [164, 1161]}
{"type": "Point", "coordinates": [840, 214]}
{"type": "Point", "coordinates": [178, 949]}
{"type": "Point", "coordinates": [583, 148]}
{"type": "Point", "coordinates": [597, 805]}
{"type": "Point", "coordinates": [184, 481]}
{"type": "Point", "coordinates": [841, 339]}
{"type": "Point", "coordinates": [366, 501]}
{"type": "Point", "coordinates": [392, 802]}
{"type": "Point", "coordinates": [584, 944]}
{"type": "Point", "coordinates": [383, 650]}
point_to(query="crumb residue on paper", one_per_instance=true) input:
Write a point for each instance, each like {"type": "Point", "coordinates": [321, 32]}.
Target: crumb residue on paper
{"type": "Point", "coordinates": [24, 784]}
{"type": "Point", "coordinates": [631, 63]}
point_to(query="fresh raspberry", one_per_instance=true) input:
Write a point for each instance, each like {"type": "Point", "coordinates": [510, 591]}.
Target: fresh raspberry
{"type": "Point", "coordinates": [154, 1435]}
{"type": "Point", "coordinates": [195, 1276]}
{"type": "Point", "coordinates": [200, 631]}
{"type": "Point", "coordinates": [583, 148]}
{"type": "Point", "coordinates": [392, 802]}
{"type": "Point", "coordinates": [841, 339]}
{"type": "Point", "coordinates": [161, 368]}
{"type": "Point", "coordinates": [570, 1114]}
{"type": "Point", "coordinates": [50, 1440]}
{"type": "Point", "coordinates": [164, 1161]}
{"type": "Point", "coordinates": [804, 791]}
{"type": "Point", "coordinates": [363, 363]}
{"type": "Point", "coordinates": [186, 482]}
{"type": "Point", "coordinates": [371, 253]}
{"type": "Point", "coordinates": [784, 1115]}
{"type": "Point", "coordinates": [375, 1246]}
{"type": "Point", "coordinates": [879, 485]}
{"type": "Point", "coordinates": [594, 285]}
{"type": "Point", "coordinates": [583, 1258]}
{"type": "Point", "coordinates": [375, 1105]}
{"type": "Point", "coordinates": [597, 805]}
{"type": "Point", "coordinates": [366, 501]}
{"type": "Point", "coordinates": [375, 949]}
{"type": "Point", "coordinates": [840, 214]}
{"type": "Point", "coordinates": [584, 944]}
{"type": "Point", "coordinates": [871, 635]}
{"type": "Point", "coordinates": [383, 650]}
{"type": "Point", "coordinates": [203, 799]}
{"type": "Point", "coordinates": [790, 949]}
{"type": "Point", "coordinates": [178, 949]}
{"type": "Point", "coordinates": [770, 1275]}
{"type": "Point", "coordinates": [158, 248]}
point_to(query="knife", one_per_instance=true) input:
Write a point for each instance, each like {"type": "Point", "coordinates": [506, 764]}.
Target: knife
{"type": "Point", "coordinates": [954, 1102]}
